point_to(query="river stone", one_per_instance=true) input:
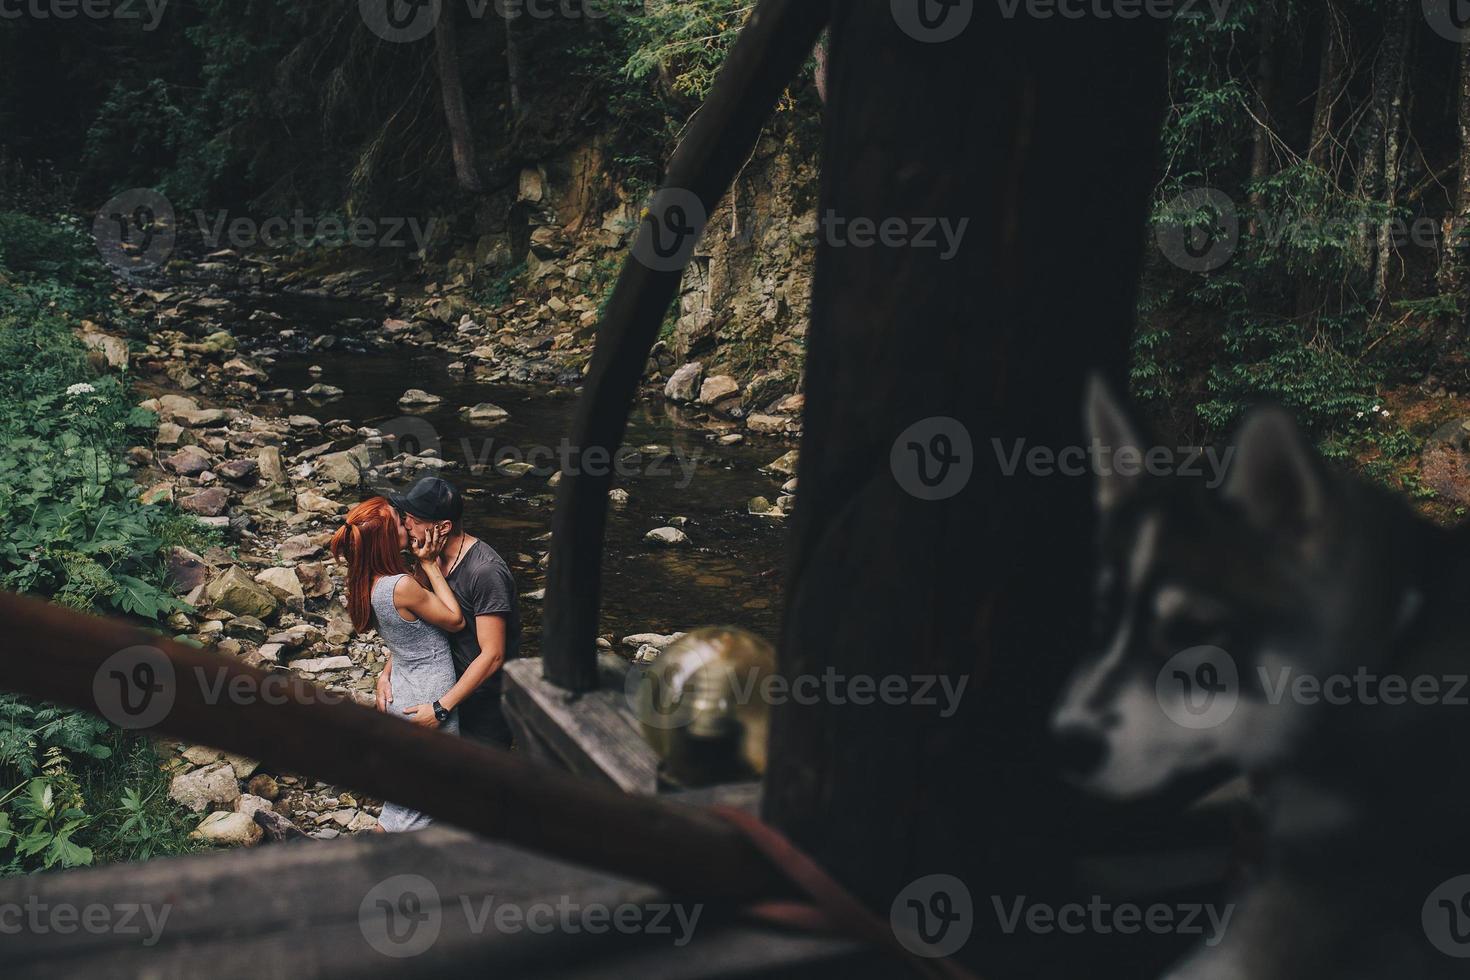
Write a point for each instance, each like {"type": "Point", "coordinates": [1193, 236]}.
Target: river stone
{"type": "Point", "coordinates": [322, 664]}
{"type": "Point", "coordinates": [344, 467]}
{"type": "Point", "coordinates": [303, 422]}
{"type": "Point", "coordinates": [269, 462]}
{"type": "Point", "coordinates": [790, 405]}
{"type": "Point", "coordinates": [170, 405]}
{"type": "Point", "coordinates": [263, 786]}
{"type": "Point", "coordinates": [170, 434]}
{"type": "Point", "coordinates": [618, 497]}
{"type": "Point", "coordinates": [250, 804]}
{"type": "Point", "coordinates": [667, 537]}
{"type": "Point", "coordinates": [238, 470]}
{"type": "Point", "coordinates": [229, 829]}
{"type": "Point", "coordinates": [761, 507]}
{"type": "Point", "coordinates": [159, 493]}
{"type": "Point", "coordinates": [235, 592]}
{"type": "Point", "coordinates": [323, 391]}
{"type": "Point", "coordinates": [684, 385]}
{"type": "Point", "coordinates": [656, 640]}
{"type": "Point", "coordinates": [202, 418]}
{"type": "Point", "coordinates": [310, 502]}
{"type": "Point", "coordinates": [284, 584]}
{"type": "Point", "coordinates": [198, 789]}
{"type": "Point", "coordinates": [189, 461]}
{"type": "Point", "coordinates": [316, 582]}
{"type": "Point", "coordinates": [418, 397]}
{"type": "Point", "coordinates": [718, 389]}
{"type": "Point", "coordinates": [239, 367]}
{"type": "Point", "coordinates": [114, 350]}
{"type": "Point", "coordinates": [299, 548]}
{"type": "Point", "coordinates": [207, 503]}
{"type": "Point", "coordinates": [767, 425]}
{"type": "Point", "coordinates": [785, 466]}
{"type": "Point", "coordinates": [485, 412]}
{"type": "Point", "coordinates": [186, 570]}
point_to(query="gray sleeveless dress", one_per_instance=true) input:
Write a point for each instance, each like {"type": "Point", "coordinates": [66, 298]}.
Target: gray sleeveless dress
{"type": "Point", "coordinates": [423, 672]}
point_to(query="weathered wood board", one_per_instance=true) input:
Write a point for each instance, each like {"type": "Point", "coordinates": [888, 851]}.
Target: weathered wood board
{"type": "Point", "coordinates": [378, 905]}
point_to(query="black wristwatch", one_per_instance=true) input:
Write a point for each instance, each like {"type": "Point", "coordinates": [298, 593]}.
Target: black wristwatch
{"type": "Point", "coordinates": [441, 712]}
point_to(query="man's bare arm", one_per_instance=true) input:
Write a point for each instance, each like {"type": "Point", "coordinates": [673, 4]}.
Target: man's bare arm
{"type": "Point", "coordinates": [490, 631]}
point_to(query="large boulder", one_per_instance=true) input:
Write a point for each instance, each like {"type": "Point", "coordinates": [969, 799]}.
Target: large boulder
{"type": "Point", "coordinates": [684, 385]}
{"type": "Point", "coordinates": [485, 412]}
{"type": "Point", "coordinates": [344, 467]}
{"type": "Point", "coordinates": [189, 461]}
{"type": "Point", "coordinates": [310, 502]}
{"type": "Point", "coordinates": [186, 570]}
{"type": "Point", "coordinates": [717, 389]}
{"type": "Point", "coordinates": [113, 350]}
{"type": "Point", "coordinates": [229, 829]}
{"type": "Point", "coordinates": [207, 503]}
{"type": "Point", "coordinates": [235, 592]}
{"type": "Point", "coordinates": [271, 468]}
{"type": "Point", "coordinates": [283, 584]}
{"type": "Point", "coordinates": [666, 537]}
{"type": "Point", "coordinates": [201, 787]}
{"type": "Point", "coordinates": [418, 398]}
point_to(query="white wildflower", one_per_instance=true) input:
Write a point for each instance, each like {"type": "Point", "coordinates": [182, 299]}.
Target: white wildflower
{"type": "Point", "coordinates": [81, 389]}
{"type": "Point", "coordinates": [1385, 413]}
{"type": "Point", "coordinates": [1376, 409]}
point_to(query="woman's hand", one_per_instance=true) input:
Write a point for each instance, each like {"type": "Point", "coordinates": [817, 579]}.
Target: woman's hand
{"type": "Point", "coordinates": [428, 548]}
{"type": "Point", "coordinates": [385, 690]}
{"type": "Point", "coordinates": [422, 714]}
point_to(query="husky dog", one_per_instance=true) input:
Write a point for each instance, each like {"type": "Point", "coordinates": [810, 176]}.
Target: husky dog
{"type": "Point", "coordinates": [1306, 630]}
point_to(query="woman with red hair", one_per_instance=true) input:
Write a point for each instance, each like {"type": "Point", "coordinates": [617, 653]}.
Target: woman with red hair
{"type": "Point", "coordinates": [415, 622]}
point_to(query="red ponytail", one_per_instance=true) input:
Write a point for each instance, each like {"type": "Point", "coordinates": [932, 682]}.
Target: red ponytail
{"type": "Point", "coordinates": [368, 543]}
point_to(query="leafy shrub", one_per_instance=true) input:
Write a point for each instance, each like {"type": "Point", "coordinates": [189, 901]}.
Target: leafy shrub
{"type": "Point", "coordinates": [75, 531]}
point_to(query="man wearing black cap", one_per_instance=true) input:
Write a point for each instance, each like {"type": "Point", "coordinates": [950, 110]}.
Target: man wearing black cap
{"type": "Point", "coordinates": [486, 590]}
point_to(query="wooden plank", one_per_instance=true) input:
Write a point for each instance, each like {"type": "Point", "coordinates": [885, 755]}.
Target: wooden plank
{"type": "Point", "coordinates": [593, 734]}
{"type": "Point", "coordinates": [310, 909]}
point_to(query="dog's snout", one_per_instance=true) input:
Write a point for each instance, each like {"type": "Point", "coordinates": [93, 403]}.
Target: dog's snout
{"type": "Point", "coordinates": [1079, 750]}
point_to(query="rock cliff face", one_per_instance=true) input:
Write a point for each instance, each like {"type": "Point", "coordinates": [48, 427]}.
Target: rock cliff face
{"type": "Point", "coordinates": [557, 235]}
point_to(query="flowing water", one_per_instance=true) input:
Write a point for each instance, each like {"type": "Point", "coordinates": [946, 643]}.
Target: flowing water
{"type": "Point", "coordinates": [729, 574]}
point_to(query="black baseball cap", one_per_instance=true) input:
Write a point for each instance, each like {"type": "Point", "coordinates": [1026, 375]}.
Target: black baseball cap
{"type": "Point", "coordinates": [430, 499]}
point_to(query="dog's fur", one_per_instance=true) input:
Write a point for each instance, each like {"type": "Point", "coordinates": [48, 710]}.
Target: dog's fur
{"type": "Point", "coordinates": [1292, 570]}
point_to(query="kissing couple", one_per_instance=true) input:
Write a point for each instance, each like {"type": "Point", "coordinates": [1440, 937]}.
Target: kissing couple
{"type": "Point", "coordinates": [449, 618]}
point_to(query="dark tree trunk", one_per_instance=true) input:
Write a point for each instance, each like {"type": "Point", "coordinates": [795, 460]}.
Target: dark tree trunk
{"type": "Point", "coordinates": [1265, 94]}
{"type": "Point", "coordinates": [993, 583]}
{"type": "Point", "coordinates": [514, 70]}
{"type": "Point", "coordinates": [456, 117]}
{"type": "Point", "coordinates": [1329, 84]}
{"type": "Point", "coordinates": [1452, 273]}
{"type": "Point", "coordinates": [1395, 60]}
{"type": "Point", "coordinates": [819, 75]}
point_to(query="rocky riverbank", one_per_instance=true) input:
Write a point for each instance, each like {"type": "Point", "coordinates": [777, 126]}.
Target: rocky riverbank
{"type": "Point", "coordinates": [272, 470]}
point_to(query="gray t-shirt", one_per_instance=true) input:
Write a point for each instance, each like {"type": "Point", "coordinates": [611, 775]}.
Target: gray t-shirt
{"type": "Point", "coordinates": [485, 587]}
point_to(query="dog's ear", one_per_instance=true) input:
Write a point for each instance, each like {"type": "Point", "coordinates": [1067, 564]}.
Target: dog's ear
{"type": "Point", "coordinates": [1275, 478]}
{"type": "Point", "coordinates": [1109, 427]}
